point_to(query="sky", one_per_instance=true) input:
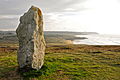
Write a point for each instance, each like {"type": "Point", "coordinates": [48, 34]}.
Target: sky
{"type": "Point", "coordinates": [100, 16]}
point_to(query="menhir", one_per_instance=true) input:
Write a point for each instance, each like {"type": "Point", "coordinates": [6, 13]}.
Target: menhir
{"type": "Point", "coordinates": [31, 39]}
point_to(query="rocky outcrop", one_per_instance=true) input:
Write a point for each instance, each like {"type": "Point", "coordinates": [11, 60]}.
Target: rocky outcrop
{"type": "Point", "coordinates": [31, 39]}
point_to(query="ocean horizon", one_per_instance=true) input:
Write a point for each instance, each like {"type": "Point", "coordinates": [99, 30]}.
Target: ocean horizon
{"type": "Point", "coordinates": [98, 39]}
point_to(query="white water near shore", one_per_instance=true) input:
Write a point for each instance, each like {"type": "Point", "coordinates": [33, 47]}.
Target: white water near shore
{"type": "Point", "coordinates": [98, 39]}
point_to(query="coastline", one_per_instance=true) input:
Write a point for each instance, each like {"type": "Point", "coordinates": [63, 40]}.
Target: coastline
{"type": "Point", "coordinates": [98, 39]}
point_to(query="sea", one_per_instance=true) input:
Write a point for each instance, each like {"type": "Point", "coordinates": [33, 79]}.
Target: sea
{"type": "Point", "coordinates": [98, 39]}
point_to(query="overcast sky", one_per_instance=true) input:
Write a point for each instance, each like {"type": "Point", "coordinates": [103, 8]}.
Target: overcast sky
{"type": "Point", "coordinates": [101, 16]}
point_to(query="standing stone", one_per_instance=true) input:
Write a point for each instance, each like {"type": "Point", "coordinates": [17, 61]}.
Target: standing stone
{"type": "Point", "coordinates": [31, 39]}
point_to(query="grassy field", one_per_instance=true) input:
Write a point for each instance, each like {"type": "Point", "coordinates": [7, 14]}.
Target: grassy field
{"type": "Point", "coordinates": [65, 62]}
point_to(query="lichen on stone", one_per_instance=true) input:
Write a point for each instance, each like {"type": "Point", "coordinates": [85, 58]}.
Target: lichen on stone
{"type": "Point", "coordinates": [31, 39]}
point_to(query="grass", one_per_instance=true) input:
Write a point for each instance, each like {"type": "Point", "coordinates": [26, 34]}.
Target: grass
{"type": "Point", "coordinates": [67, 62]}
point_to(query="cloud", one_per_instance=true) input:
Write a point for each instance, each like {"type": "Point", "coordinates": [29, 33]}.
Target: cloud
{"type": "Point", "coordinates": [10, 7]}
{"type": "Point", "coordinates": [53, 9]}
{"type": "Point", "coordinates": [8, 24]}
{"type": "Point", "coordinates": [73, 15]}
{"type": "Point", "coordinates": [19, 6]}
{"type": "Point", "coordinates": [8, 16]}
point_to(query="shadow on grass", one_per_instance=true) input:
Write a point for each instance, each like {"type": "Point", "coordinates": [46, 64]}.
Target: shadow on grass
{"type": "Point", "coordinates": [47, 69]}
